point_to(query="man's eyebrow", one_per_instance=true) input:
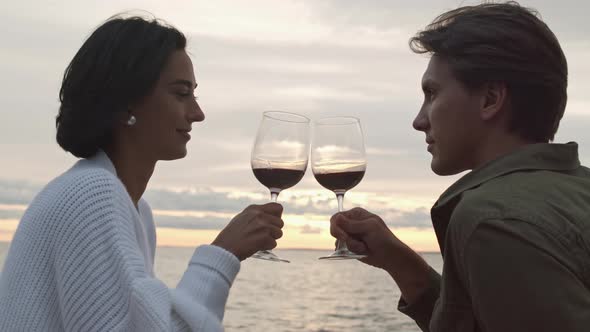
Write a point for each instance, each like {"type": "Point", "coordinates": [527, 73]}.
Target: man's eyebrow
{"type": "Point", "coordinates": [187, 83]}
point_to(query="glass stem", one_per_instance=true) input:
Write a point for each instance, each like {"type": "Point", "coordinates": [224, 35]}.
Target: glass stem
{"type": "Point", "coordinates": [340, 198]}
{"type": "Point", "coordinates": [340, 245]}
{"type": "Point", "coordinates": [274, 194]}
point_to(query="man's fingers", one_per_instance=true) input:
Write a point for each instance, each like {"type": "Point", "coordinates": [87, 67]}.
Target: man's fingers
{"type": "Point", "coordinates": [356, 246]}
{"type": "Point", "coordinates": [270, 220]}
{"type": "Point", "coordinates": [354, 227]}
{"type": "Point", "coordinates": [357, 213]}
{"type": "Point", "coordinates": [269, 244]}
{"type": "Point", "coordinates": [338, 233]}
{"type": "Point", "coordinates": [275, 232]}
{"type": "Point", "coordinates": [342, 227]}
{"type": "Point", "coordinates": [274, 209]}
{"type": "Point", "coordinates": [335, 228]}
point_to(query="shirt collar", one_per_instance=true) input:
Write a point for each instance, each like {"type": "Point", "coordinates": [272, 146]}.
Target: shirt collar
{"type": "Point", "coordinates": [102, 159]}
{"type": "Point", "coordinates": [540, 156]}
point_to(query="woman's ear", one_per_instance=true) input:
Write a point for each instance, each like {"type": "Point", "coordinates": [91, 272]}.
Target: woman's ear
{"type": "Point", "coordinates": [131, 120]}
{"type": "Point", "coordinates": [127, 118]}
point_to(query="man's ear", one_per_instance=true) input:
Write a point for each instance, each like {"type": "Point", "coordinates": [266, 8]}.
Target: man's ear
{"type": "Point", "coordinates": [495, 99]}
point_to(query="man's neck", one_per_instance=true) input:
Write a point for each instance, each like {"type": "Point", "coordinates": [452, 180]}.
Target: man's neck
{"type": "Point", "coordinates": [496, 146]}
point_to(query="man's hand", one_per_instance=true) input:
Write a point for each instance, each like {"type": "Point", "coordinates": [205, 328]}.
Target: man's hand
{"type": "Point", "coordinates": [366, 233]}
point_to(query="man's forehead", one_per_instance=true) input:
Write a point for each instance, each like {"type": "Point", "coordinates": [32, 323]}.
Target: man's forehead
{"type": "Point", "coordinates": [427, 76]}
{"type": "Point", "coordinates": [437, 68]}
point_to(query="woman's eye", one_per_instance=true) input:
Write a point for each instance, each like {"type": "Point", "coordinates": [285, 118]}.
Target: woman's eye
{"type": "Point", "coordinates": [186, 94]}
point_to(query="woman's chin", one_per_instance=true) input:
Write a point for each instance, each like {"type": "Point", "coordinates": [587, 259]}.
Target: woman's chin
{"type": "Point", "coordinates": [174, 155]}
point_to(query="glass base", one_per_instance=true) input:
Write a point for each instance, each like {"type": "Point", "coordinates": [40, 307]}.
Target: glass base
{"type": "Point", "coordinates": [342, 254]}
{"type": "Point", "coordinates": [268, 255]}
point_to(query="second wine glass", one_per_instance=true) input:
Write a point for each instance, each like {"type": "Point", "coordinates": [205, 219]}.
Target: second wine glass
{"type": "Point", "coordinates": [338, 163]}
{"type": "Point", "coordinates": [280, 156]}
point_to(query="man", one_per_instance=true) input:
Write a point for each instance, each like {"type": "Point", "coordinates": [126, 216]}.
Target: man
{"type": "Point", "coordinates": [515, 231]}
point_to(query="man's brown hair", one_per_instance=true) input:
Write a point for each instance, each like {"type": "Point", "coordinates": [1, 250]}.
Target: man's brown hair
{"type": "Point", "coordinates": [504, 43]}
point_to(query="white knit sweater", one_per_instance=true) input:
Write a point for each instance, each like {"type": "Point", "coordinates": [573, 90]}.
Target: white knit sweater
{"type": "Point", "coordinates": [81, 260]}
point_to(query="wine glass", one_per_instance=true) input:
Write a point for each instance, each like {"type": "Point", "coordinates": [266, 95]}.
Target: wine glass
{"type": "Point", "coordinates": [279, 157]}
{"type": "Point", "coordinates": [338, 163]}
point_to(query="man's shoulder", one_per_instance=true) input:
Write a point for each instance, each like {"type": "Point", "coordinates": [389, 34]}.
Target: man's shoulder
{"type": "Point", "coordinates": [523, 191]}
{"type": "Point", "coordinates": [501, 197]}
{"type": "Point", "coordinates": [553, 202]}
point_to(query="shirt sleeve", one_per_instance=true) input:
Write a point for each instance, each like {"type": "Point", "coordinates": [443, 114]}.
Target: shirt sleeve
{"type": "Point", "coordinates": [102, 281]}
{"type": "Point", "coordinates": [421, 309]}
{"type": "Point", "coordinates": [522, 279]}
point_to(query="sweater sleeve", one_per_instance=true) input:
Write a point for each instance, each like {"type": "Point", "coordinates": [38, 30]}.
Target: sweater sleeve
{"type": "Point", "coordinates": [102, 281]}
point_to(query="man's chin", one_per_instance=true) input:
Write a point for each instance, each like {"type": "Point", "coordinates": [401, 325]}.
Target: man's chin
{"type": "Point", "coordinates": [443, 169]}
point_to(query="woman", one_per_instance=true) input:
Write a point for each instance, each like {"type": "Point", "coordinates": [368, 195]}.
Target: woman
{"type": "Point", "coordinates": [82, 257]}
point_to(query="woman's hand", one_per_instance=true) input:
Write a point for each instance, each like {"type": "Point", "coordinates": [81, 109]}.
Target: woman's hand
{"type": "Point", "coordinates": [256, 228]}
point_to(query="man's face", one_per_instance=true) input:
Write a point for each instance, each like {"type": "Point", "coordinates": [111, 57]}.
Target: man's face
{"type": "Point", "coordinates": [450, 119]}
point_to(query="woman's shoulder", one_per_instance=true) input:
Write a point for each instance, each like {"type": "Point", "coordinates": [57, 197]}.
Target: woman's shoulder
{"type": "Point", "coordinates": [80, 187]}
{"type": "Point", "coordinates": [81, 200]}
{"type": "Point", "coordinates": [85, 178]}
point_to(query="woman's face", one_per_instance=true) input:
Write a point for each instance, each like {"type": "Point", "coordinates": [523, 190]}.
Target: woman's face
{"type": "Point", "coordinates": [164, 117]}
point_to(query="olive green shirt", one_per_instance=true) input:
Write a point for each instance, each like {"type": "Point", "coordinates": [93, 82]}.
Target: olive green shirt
{"type": "Point", "coordinates": [515, 239]}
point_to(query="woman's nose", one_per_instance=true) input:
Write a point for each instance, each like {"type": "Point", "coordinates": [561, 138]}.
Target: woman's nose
{"type": "Point", "coordinates": [197, 114]}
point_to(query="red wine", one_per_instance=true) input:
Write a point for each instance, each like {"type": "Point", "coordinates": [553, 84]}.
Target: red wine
{"type": "Point", "coordinates": [341, 181]}
{"type": "Point", "coordinates": [280, 178]}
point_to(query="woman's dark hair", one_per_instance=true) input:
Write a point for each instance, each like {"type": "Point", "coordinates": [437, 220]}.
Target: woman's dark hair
{"type": "Point", "coordinates": [116, 66]}
{"type": "Point", "coordinates": [504, 43]}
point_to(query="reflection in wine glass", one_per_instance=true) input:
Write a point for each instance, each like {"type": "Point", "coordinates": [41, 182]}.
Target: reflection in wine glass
{"type": "Point", "coordinates": [338, 163]}
{"type": "Point", "coordinates": [279, 157]}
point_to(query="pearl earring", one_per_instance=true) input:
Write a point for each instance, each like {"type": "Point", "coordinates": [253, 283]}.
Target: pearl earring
{"type": "Point", "coordinates": [132, 120]}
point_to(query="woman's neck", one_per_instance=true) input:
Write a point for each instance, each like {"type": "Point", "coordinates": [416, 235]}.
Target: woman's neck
{"type": "Point", "coordinates": [133, 169]}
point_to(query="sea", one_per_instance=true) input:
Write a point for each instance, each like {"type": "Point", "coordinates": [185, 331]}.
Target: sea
{"type": "Point", "coordinates": [304, 295]}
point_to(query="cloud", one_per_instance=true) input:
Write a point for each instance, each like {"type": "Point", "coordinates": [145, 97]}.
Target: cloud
{"type": "Point", "coordinates": [409, 17]}
{"type": "Point", "coordinates": [233, 202]}
{"type": "Point", "coordinates": [346, 57]}
{"type": "Point", "coordinates": [307, 229]}
{"type": "Point", "coordinates": [196, 199]}
{"type": "Point", "coordinates": [298, 203]}
{"type": "Point", "coordinates": [419, 218]}
{"type": "Point", "coordinates": [206, 223]}
{"type": "Point", "coordinates": [398, 17]}
{"type": "Point", "coordinates": [17, 192]}
{"type": "Point", "coordinates": [204, 208]}
{"type": "Point", "coordinates": [11, 214]}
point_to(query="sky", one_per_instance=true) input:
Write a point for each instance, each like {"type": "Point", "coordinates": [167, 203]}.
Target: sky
{"type": "Point", "coordinates": [313, 57]}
